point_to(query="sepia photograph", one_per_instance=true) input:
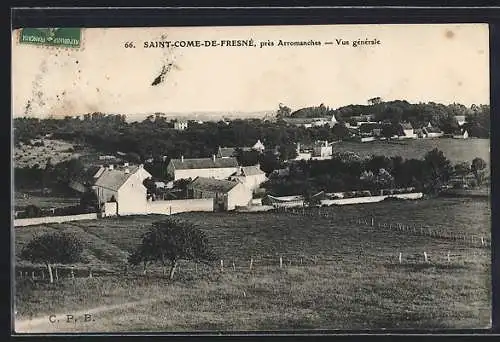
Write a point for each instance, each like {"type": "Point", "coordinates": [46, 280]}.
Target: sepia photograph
{"type": "Point", "coordinates": [251, 178]}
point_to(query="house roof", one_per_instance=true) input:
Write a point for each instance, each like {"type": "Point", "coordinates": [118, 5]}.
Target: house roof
{"type": "Point", "coordinates": [212, 184]}
{"type": "Point", "coordinates": [251, 170]}
{"type": "Point", "coordinates": [114, 179]}
{"type": "Point", "coordinates": [406, 125]}
{"type": "Point", "coordinates": [204, 163]}
{"type": "Point", "coordinates": [432, 129]}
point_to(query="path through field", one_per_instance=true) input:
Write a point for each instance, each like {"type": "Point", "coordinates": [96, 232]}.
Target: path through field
{"type": "Point", "coordinates": [77, 324]}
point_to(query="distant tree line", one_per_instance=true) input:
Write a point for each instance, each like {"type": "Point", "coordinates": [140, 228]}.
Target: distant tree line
{"type": "Point", "coordinates": [348, 172]}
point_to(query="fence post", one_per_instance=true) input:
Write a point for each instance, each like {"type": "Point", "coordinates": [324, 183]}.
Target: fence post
{"type": "Point", "coordinates": [400, 258]}
{"type": "Point", "coordinates": [281, 262]}
{"type": "Point", "coordinates": [251, 263]}
{"type": "Point", "coordinates": [72, 273]}
{"type": "Point", "coordinates": [372, 222]}
{"type": "Point", "coordinates": [301, 261]}
{"type": "Point", "coordinates": [234, 266]}
{"type": "Point", "coordinates": [56, 273]}
{"type": "Point", "coordinates": [482, 241]}
{"type": "Point", "coordinates": [43, 274]}
{"type": "Point", "coordinates": [90, 273]}
{"type": "Point", "coordinates": [33, 275]}
{"type": "Point", "coordinates": [170, 210]}
{"type": "Point", "coordinates": [448, 257]}
{"type": "Point", "coordinates": [222, 265]}
{"type": "Point", "coordinates": [425, 257]}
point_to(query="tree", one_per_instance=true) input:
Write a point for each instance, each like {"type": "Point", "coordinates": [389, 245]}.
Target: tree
{"type": "Point", "coordinates": [438, 169]}
{"type": "Point", "coordinates": [172, 240]}
{"type": "Point", "coordinates": [477, 166]}
{"type": "Point", "coordinates": [283, 112]}
{"type": "Point", "coordinates": [375, 101]}
{"type": "Point", "coordinates": [53, 248]}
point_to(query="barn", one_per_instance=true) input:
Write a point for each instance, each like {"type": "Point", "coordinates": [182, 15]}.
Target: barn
{"type": "Point", "coordinates": [227, 194]}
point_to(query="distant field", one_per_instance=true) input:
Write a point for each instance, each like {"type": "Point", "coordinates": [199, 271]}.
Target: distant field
{"type": "Point", "coordinates": [43, 201]}
{"type": "Point", "coordinates": [335, 275]}
{"type": "Point", "coordinates": [456, 150]}
{"type": "Point", "coordinates": [56, 150]}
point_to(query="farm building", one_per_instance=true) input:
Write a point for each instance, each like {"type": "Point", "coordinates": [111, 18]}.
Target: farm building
{"type": "Point", "coordinates": [432, 132]}
{"type": "Point", "coordinates": [463, 134]}
{"type": "Point", "coordinates": [123, 185]}
{"type": "Point", "coordinates": [250, 176]}
{"type": "Point", "coordinates": [218, 168]}
{"type": "Point", "coordinates": [227, 195]}
{"type": "Point", "coordinates": [408, 131]}
{"type": "Point", "coordinates": [322, 149]}
{"type": "Point", "coordinates": [180, 125]}
{"type": "Point", "coordinates": [307, 122]}
{"type": "Point", "coordinates": [460, 120]}
{"type": "Point", "coordinates": [228, 152]}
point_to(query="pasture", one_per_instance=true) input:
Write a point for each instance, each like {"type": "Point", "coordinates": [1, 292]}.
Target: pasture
{"type": "Point", "coordinates": [334, 274]}
{"type": "Point", "coordinates": [456, 150]}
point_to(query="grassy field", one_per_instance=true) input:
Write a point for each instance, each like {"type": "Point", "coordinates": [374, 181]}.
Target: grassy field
{"type": "Point", "coordinates": [335, 275]}
{"type": "Point", "coordinates": [456, 150]}
{"type": "Point", "coordinates": [21, 201]}
{"type": "Point", "coordinates": [56, 150]}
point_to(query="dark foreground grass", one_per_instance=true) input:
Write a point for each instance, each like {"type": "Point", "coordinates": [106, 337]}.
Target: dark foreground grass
{"type": "Point", "coordinates": [335, 275]}
{"type": "Point", "coordinates": [327, 296]}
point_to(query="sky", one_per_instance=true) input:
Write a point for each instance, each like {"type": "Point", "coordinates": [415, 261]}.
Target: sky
{"type": "Point", "coordinates": [443, 63]}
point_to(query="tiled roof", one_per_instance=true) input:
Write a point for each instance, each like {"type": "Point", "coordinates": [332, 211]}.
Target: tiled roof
{"type": "Point", "coordinates": [204, 163]}
{"type": "Point", "coordinates": [212, 185]}
{"type": "Point", "coordinates": [406, 125]}
{"type": "Point", "coordinates": [252, 170]}
{"type": "Point", "coordinates": [114, 179]}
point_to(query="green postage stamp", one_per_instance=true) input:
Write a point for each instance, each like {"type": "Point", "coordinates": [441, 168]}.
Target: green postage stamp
{"type": "Point", "coordinates": [65, 37]}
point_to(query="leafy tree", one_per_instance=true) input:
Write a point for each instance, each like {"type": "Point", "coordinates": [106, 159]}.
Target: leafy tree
{"type": "Point", "coordinates": [283, 112]}
{"type": "Point", "coordinates": [375, 101]}
{"type": "Point", "coordinates": [53, 248]}
{"type": "Point", "coordinates": [33, 211]}
{"type": "Point", "coordinates": [247, 158]}
{"type": "Point", "coordinates": [438, 169]}
{"type": "Point", "coordinates": [477, 166]}
{"type": "Point", "coordinates": [172, 240]}
{"type": "Point", "coordinates": [462, 169]}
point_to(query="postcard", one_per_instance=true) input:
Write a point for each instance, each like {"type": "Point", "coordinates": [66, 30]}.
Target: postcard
{"type": "Point", "coordinates": [251, 178]}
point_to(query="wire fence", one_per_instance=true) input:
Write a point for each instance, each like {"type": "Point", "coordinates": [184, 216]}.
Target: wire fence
{"type": "Point", "coordinates": [267, 263]}
{"type": "Point", "coordinates": [472, 240]}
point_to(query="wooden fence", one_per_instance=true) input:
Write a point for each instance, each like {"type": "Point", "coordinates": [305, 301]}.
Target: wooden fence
{"type": "Point", "coordinates": [473, 240]}
{"type": "Point", "coordinates": [268, 263]}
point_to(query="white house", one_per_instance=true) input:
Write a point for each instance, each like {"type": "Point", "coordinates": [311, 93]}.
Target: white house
{"type": "Point", "coordinates": [180, 125]}
{"type": "Point", "coordinates": [250, 176]}
{"type": "Point", "coordinates": [464, 134]}
{"type": "Point", "coordinates": [227, 195]}
{"type": "Point", "coordinates": [460, 120]}
{"type": "Point", "coordinates": [432, 132]}
{"type": "Point", "coordinates": [259, 146]}
{"type": "Point", "coordinates": [123, 185]}
{"type": "Point", "coordinates": [408, 131]}
{"type": "Point", "coordinates": [218, 168]}
{"type": "Point", "coordinates": [322, 149]}
{"type": "Point", "coordinates": [228, 152]}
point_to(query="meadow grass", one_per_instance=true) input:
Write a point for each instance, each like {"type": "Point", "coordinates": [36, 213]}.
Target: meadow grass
{"type": "Point", "coordinates": [335, 274]}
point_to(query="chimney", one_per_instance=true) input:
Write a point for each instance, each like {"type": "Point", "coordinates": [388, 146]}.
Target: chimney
{"type": "Point", "coordinates": [182, 159]}
{"type": "Point", "coordinates": [213, 158]}
{"type": "Point", "coordinates": [110, 167]}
